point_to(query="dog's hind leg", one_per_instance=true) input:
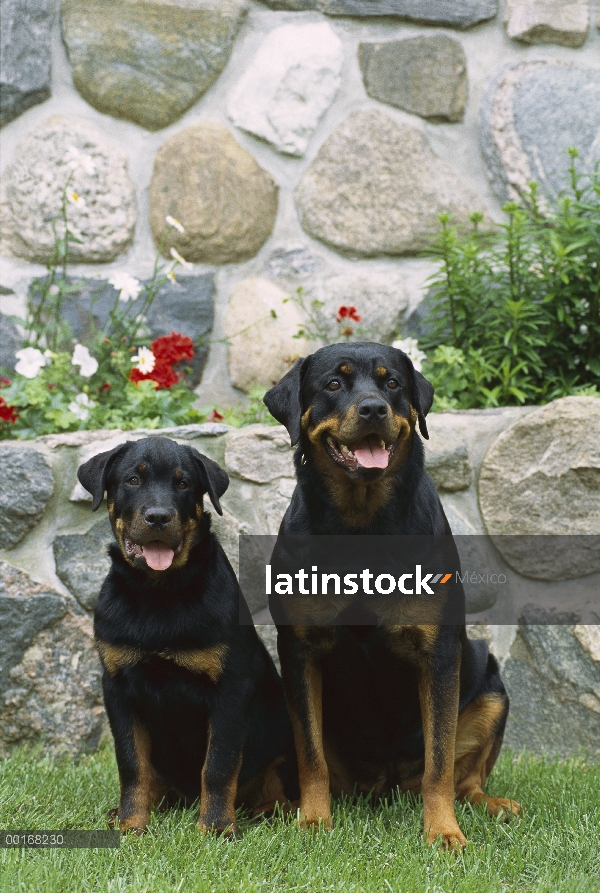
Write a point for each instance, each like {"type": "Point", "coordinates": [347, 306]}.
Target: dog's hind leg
{"type": "Point", "coordinates": [479, 736]}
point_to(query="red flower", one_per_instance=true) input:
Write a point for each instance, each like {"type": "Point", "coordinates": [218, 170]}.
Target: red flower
{"type": "Point", "coordinates": [167, 350]}
{"type": "Point", "coordinates": [173, 348]}
{"type": "Point", "coordinates": [7, 413]}
{"type": "Point", "coordinates": [4, 381]}
{"type": "Point", "coordinates": [215, 416]}
{"type": "Point", "coordinates": [350, 312]}
{"type": "Point", "coordinates": [105, 387]}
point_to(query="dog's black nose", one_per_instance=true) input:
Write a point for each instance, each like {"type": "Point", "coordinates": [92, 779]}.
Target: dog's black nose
{"type": "Point", "coordinates": [157, 517]}
{"type": "Point", "coordinates": [371, 409]}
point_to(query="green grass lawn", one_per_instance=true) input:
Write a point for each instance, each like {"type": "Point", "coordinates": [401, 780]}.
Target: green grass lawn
{"type": "Point", "coordinates": [553, 848]}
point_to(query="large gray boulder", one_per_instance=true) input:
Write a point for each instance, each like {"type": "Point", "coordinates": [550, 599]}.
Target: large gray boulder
{"type": "Point", "coordinates": [225, 201]}
{"type": "Point", "coordinates": [60, 156]}
{"type": "Point", "coordinates": [455, 13]}
{"type": "Point", "coordinates": [531, 114]}
{"type": "Point", "coordinates": [375, 187]}
{"type": "Point", "coordinates": [82, 561]}
{"type": "Point", "coordinates": [50, 688]}
{"type": "Point", "coordinates": [26, 485]}
{"type": "Point", "coordinates": [150, 60]}
{"type": "Point", "coordinates": [25, 55]}
{"type": "Point", "coordinates": [541, 478]}
{"type": "Point", "coordinates": [553, 680]}
{"type": "Point", "coordinates": [425, 75]}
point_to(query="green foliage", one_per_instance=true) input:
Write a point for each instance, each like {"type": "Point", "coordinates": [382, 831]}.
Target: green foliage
{"type": "Point", "coordinates": [516, 312]}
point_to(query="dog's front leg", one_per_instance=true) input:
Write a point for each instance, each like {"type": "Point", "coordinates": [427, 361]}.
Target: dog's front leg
{"type": "Point", "coordinates": [301, 675]}
{"type": "Point", "coordinates": [227, 728]}
{"type": "Point", "coordinates": [140, 785]}
{"type": "Point", "coordinates": [439, 698]}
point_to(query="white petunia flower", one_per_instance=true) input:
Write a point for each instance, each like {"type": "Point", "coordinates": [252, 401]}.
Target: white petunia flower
{"type": "Point", "coordinates": [172, 221]}
{"type": "Point", "coordinates": [180, 260]}
{"type": "Point", "coordinates": [583, 329]}
{"type": "Point", "coordinates": [30, 362]}
{"type": "Point", "coordinates": [410, 346]}
{"type": "Point", "coordinates": [75, 158]}
{"type": "Point", "coordinates": [83, 358]}
{"type": "Point", "coordinates": [81, 406]}
{"type": "Point", "coordinates": [144, 360]}
{"type": "Point", "coordinates": [127, 286]}
{"type": "Point", "coordinates": [75, 198]}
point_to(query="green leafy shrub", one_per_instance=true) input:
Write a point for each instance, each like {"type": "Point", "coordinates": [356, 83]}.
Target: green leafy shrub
{"type": "Point", "coordinates": [515, 312]}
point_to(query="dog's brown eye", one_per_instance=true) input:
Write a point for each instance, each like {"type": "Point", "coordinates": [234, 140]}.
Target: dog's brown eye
{"type": "Point", "coordinates": [182, 485]}
{"type": "Point", "coordinates": [392, 383]}
{"type": "Point", "coordinates": [333, 385]}
{"type": "Point", "coordinates": [133, 480]}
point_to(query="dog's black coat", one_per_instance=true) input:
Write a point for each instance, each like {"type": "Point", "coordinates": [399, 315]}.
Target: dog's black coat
{"type": "Point", "coordinates": [368, 678]}
{"type": "Point", "coordinates": [189, 689]}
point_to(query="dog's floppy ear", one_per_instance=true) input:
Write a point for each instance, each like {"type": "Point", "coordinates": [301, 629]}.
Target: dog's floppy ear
{"type": "Point", "coordinates": [94, 473]}
{"type": "Point", "coordinates": [422, 393]}
{"type": "Point", "coordinates": [284, 401]}
{"type": "Point", "coordinates": [213, 478]}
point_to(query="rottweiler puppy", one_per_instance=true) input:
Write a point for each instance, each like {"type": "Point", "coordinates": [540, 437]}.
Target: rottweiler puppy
{"type": "Point", "coordinates": [386, 705]}
{"type": "Point", "coordinates": [194, 701]}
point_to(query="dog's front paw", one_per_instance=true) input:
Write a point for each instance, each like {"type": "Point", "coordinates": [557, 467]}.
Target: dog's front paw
{"type": "Point", "coordinates": [502, 808]}
{"type": "Point", "coordinates": [309, 820]}
{"type": "Point", "coordinates": [447, 838]}
{"type": "Point", "coordinates": [137, 824]}
{"type": "Point", "coordinates": [221, 827]}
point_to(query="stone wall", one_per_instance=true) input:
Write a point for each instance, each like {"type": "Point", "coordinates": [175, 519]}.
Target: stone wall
{"type": "Point", "coordinates": [299, 142]}
{"type": "Point", "coordinates": [53, 560]}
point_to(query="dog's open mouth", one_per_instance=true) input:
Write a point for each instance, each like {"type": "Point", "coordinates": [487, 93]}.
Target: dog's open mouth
{"type": "Point", "coordinates": [159, 556]}
{"type": "Point", "coordinates": [370, 452]}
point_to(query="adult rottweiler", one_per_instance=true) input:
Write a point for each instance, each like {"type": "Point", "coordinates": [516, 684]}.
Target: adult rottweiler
{"type": "Point", "coordinates": [375, 707]}
{"type": "Point", "coordinates": [194, 701]}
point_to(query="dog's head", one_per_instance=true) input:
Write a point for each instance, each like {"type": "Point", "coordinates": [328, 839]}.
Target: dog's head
{"type": "Point", "coordinates": [354, 407]}
{"type": "Point", "coordinates": [154, 488]}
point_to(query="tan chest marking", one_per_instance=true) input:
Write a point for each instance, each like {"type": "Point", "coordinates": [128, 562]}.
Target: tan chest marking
{"type": "Point", "coordinates": [209, 661]}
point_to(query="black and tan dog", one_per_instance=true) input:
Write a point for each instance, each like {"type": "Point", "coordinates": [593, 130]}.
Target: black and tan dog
{"type": "Point", "coordinates": [418, 707]}
{"type": "Point", "coordinates": [194, 701]}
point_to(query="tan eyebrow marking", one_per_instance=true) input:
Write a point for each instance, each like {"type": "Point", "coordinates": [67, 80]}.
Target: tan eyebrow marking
{"type": "Point", "coordinates": [381, 371]}
{"type": "Point", "coordinates": [345, 369]}
{"type": "Point", "coordinates": [178, 474]}
{"type": "Point", "coordinates": [142, 467]}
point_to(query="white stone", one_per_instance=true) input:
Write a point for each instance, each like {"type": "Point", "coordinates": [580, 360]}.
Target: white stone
{"type": "Point", "coordinates": [63, 153]}
{"type": "Point", "coordinates": [289, 84]}
{"type": "Point", "coordinates": [548, 21]}
{"type": "Point", "coordinates": [261, 454]}
{"type": "Point", "coordinates": [261, 323]}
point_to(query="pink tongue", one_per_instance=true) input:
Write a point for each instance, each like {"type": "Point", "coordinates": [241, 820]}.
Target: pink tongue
{"type": "Point", "coordinates": [158, 555]}
{"type": "Point", "coordinates": [370, 453]}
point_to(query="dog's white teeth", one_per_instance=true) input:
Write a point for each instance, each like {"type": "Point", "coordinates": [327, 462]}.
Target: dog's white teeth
{"type": "Point", "coordinates": [383, 444]}
{"type": "Point", "coordinates": [346, 451]}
